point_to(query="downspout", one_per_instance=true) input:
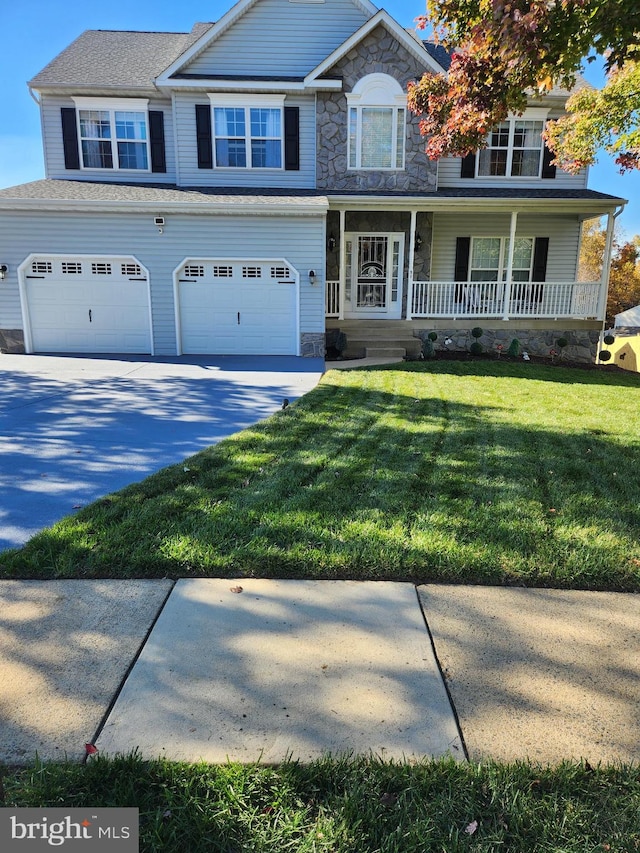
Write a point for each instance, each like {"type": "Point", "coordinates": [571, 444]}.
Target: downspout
{"type": "Point", "coordinates": [606, 265]}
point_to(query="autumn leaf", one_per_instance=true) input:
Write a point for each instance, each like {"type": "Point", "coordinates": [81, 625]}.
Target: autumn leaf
{"type": "Point", "coordinates": [471, 828]}
{"type": "Point", "coordinates": [236, 589]}
{"type": "Point", "coordinates": [91, 748]}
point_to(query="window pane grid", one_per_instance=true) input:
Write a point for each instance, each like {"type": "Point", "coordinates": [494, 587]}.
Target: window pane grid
{"type": "Point", "coordinates": [129, 130]}
{"type": "Point", "coordinates": [376, 138]}
{"type": "Point", "coordinates": [514, 148]}
{"type": "Point", "coordinates": [248, 137]}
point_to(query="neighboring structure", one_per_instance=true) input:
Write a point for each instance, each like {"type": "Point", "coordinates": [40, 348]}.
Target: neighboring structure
{"type": "Point", "coordinates": [629, 318]}
{"type": "Point", "coordinates": [246, 187]}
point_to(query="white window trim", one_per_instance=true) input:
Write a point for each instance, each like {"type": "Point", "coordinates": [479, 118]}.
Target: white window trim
{"type": "Point", "coordinates": [503, 258]}
{"type": "Point", "coordinates": [113, 105]}
{"type": "Point", "coordinates": [532, 114]}
{"type": "Point", "coordinates": [246, 102]}
{"type": "Point", "coordinates": [384, 92]}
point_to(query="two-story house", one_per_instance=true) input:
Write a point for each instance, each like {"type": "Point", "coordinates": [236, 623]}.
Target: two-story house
{"type": "Point", "coordinates": [247, 186]}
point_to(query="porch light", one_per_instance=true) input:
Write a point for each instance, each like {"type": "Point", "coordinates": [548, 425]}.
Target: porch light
{"type": "Point", "coordinates": [3, 271]}
{"type": "Point", "coordinates": [418, 241]}
{"type": "Point", "coordinates": [312, 276]}
{"type": "Point", "coordinates": [332, 242]}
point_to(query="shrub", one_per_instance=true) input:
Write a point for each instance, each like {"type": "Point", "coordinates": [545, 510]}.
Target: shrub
{"type": "Point", "coordinates": [604, 355]}
{"type": "Point", "coordinates": [432, 336]}
{"type": "Point", "coordinates": [609, 339]}
{"type": "Point", "coordinates": [428, 349]}
{"type": "Point", "coordinates": [562, 343]}
{"type": "Point", "coordinates": [476, 348]}
{"type": "Point", "coordinates": [476, 332]}
{"type": "Point", "coordinates": [514, 348]}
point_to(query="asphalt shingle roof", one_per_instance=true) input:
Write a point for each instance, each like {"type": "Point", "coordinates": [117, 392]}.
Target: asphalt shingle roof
{"type": "Point", "coordinates": [64, 190]}
{"type": "Point", "coordinates": [115, 58]}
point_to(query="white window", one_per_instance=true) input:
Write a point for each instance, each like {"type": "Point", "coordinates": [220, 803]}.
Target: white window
{"type": "Point", "coordinates": [489, 258]}
{"type": "Point", "coordinates": [377, 113]}
{"type": "Point", "coordinates": [113, 133]}
{"type": "Point", "coordinates": [248, 132]}
{"type": "Point", "coordinates": [514, 150]}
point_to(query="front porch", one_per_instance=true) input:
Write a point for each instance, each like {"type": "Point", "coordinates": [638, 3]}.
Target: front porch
{"type": "Point", "coordinates": [403, 339]}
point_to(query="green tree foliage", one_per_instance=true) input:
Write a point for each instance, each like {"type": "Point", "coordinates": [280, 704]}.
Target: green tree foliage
{"type": "Point", "coordinates": [624, 276]}
{"type": "Point", "coordinates": [505, 50]}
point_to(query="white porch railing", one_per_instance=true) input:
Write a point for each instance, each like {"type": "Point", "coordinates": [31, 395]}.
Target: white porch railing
{"type": "Point", "coordinates": [487, 299]}
{"type": "Point", "coordinates": [454, 300]}
{"type": "Point", "coordinates": [332, 299]}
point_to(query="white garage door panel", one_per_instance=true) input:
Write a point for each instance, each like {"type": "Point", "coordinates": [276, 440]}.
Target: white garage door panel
{"type": "Point", "coordinates": [84, 313]}
{"type": "Point", "coordinates": [236, 315]}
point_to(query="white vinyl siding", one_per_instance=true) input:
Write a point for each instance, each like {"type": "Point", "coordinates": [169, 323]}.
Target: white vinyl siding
{"type": "Point", "coordinates": [563, 233]}
{"type": "Point", "coordinates": [191, 175]}
{"type": "Point", "coordinates": [285, 38]}
{"type": "Point", "coordinates": [54, 151]}
{"type": "Point", "coordinates": [300, 239]}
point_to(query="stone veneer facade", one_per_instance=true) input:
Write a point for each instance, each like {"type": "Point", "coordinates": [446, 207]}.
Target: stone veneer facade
{"type": "Point", "coordinates": [379, 52]}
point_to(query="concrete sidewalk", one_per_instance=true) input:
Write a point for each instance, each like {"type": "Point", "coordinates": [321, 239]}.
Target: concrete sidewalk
{"type": "Point", "coordinates": [297, 668]}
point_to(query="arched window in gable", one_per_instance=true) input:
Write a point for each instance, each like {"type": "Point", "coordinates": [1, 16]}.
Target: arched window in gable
{"type": "Point", "coordinates": [377, 110]}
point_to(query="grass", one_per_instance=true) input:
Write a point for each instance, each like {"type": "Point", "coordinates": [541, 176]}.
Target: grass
{"type": "Point", "coordinates": [465, 472]}
{"type": "Point", "coordinates": [346, 805]}
{"type": "Point", "coordinates": [486, 472]}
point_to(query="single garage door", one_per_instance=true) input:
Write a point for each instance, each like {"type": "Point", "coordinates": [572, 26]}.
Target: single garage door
{"type": "Point", "coordinates": [238, 307]}
{"type": "Point", "coordinates": [87, 304]}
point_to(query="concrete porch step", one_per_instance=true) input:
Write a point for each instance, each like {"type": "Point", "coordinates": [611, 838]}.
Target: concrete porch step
{"type": "Point", "coordinates": [385, 352]}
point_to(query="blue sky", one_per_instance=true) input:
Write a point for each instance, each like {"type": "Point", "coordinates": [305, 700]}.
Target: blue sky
{"type": "Point", "coordinates": [34, 31]}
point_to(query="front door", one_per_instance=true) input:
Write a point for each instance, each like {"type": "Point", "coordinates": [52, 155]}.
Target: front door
{"type": "Point", "coordinates": [374, 275]}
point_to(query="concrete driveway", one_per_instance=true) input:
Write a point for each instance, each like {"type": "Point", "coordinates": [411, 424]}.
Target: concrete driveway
{"type": "Point", "coordinates": [75, 428]}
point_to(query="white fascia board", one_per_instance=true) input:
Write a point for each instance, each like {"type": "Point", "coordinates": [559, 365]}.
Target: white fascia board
{"type": "Point", "coordinates": [229, 206]}
{"type": "Point", "coordinates": [394, 28]}
{"type": "Point", "coordinates": [587, 207]}
{"type": "Point", "coordinates": [279, 86]}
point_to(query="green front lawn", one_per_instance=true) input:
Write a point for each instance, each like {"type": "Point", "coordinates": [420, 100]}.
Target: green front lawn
{"type": "Point", "coordinates": [353, 806]}
{"type": "Point", "coordinates": [469, 472]}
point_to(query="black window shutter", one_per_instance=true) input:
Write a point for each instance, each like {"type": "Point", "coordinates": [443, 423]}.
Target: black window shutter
{"type": "Point", "coordinates": [468, 166]}
{"type": "Point", "coordinates": [156, 140]}
{"type": "Point", "coordinates": [70, 138]}
{"type": "Point", "coordinates": [203, 136]}
{"type": "Point", "coordinates": [461, 272]}
{"type": "Point", "coordinates": [463, 248]}
{"type": "Point", "coordinates": [548, 169]}
{"type": "Point", "coordinates": [540, 254]}
{"type": "Point", "coordinates": [292, 138]}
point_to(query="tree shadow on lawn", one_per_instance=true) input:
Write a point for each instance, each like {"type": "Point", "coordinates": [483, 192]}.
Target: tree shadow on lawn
{"type": "Point", "coordinates": [368, 484]}
{"type": "Point", "coordinates": [570, 374]}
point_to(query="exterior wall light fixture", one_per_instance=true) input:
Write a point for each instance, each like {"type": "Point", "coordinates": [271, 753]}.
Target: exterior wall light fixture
{"type": "Point", "coordinates": [312, 276]}
{"type": "Point", "coordinates": [3, 271]}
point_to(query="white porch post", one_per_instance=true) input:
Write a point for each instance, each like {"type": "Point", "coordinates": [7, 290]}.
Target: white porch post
{"type": "Point", "coordinates": [606, 266]}
{"type": "Point", "coordinates": [412, 253]}
{"type": "Point", "coordinates": [509, 271]}
{"type": "Point", "coordinates": [342, 284]}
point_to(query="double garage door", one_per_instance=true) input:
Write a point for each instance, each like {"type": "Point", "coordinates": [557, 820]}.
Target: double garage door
{"type": "Point", "coordinates": [102, 305]}
{"type": "Point", "coordinates": [87, 305]}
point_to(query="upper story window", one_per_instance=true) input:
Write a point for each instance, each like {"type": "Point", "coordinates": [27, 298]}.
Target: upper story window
{"type": "Point", "coordinates": [377, 111]}
{"type": "Point", "coordinates": [515, 148]}
{"type": "Point", "coordinates": [113, 134]}
{"type": "Point", "coordinates": [248, 131]}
